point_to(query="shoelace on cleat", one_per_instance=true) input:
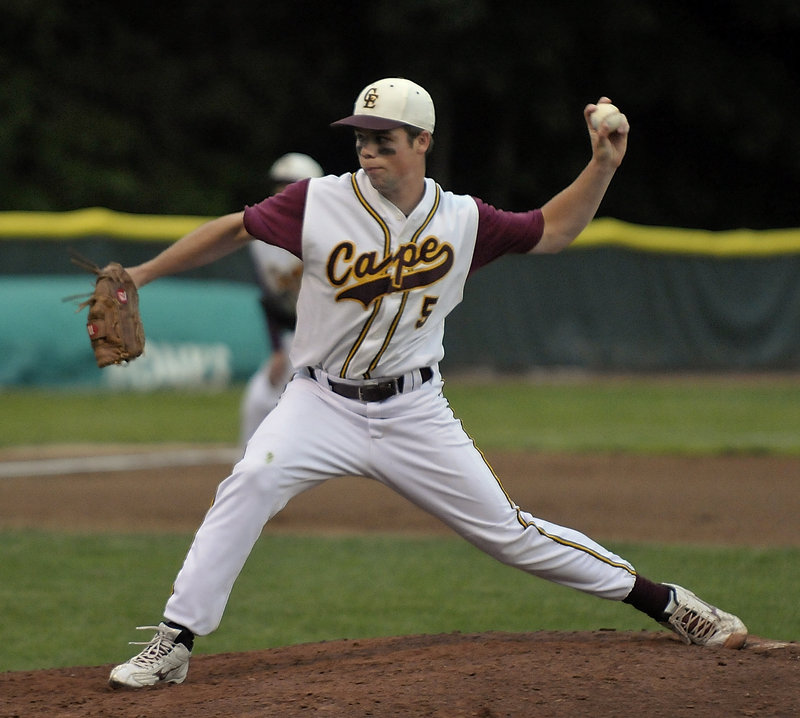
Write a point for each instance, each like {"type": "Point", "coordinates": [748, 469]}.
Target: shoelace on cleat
{"type": "Point", "coordinates": [690, 623]}
{"type": "Point", "coordinates": [156, 648]}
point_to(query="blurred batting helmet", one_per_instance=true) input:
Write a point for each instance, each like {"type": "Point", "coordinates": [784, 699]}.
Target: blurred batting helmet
{"type": "Point", "coordinates": [293, 167]}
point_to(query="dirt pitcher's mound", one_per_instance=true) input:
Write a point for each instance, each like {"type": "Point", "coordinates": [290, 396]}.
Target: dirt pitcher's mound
{"type": "Point", "coordinates": [489, 675]}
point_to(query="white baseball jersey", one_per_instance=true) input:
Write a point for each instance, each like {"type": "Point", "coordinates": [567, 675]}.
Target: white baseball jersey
{"type": "Point", "coordinates": [378, 285]}
{"type": "Point", "coordinates": [278, 274]}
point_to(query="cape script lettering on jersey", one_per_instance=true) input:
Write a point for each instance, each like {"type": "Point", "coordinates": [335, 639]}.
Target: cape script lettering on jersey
{"type": "Point", "coordinates": [366, 276]}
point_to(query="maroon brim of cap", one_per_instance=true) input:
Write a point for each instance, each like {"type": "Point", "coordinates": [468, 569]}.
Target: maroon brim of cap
{"type": "Point", "coordinates": [367, 122]}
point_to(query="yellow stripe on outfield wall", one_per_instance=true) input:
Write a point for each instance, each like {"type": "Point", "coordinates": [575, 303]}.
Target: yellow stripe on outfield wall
{"type": "Point", "coordinates": [101, 222]}
{"type": "Point", "coordinates": [673, 240]}
{"type": "Point", "coordinates": [95, 222]}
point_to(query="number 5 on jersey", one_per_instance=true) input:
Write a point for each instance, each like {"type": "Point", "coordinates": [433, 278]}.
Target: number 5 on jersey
{"type": "Point", "coordinates": [428, 304]}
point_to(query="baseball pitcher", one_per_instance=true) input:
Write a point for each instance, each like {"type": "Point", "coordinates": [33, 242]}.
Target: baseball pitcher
{"type": "Point", "coordinates": [386, 256]}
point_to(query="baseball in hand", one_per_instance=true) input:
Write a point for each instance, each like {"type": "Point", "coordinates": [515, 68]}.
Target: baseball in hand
{"type": "Point", "coordinates": [606, 112]}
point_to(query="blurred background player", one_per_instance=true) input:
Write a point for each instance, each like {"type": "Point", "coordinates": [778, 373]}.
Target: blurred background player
{"type": "Point", "coordinates": [278, 274]}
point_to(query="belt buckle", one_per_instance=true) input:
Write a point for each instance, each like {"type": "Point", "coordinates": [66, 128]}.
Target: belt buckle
{"type": "Point", "coordinates": [377, 390]}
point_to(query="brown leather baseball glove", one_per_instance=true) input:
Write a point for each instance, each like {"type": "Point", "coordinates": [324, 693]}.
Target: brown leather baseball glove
{"type": "Point", "coordinates": [114, 324]}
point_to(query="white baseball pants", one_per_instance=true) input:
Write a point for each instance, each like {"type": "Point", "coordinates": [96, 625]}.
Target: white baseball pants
{"type": "Point", "coordinates": [413, 444]}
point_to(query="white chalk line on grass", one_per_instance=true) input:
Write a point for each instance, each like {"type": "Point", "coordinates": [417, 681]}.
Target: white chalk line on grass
{"type": "Point", "coordinates": [118, 462]}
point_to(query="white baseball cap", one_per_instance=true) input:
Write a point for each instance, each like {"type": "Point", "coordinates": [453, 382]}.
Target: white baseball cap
{"type": "Point", "coordinates": [294, 166]}
{"type": "Point", "coordinates": [389, 103]}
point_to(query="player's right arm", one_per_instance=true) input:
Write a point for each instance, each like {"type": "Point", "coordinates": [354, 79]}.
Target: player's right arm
{"type": "Point", "coordinates": [568, 213]}
{"type": "Point", "coordinates": [205, 244]}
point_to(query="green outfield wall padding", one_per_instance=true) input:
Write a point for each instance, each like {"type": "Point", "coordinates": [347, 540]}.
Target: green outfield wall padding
{"type": "Point", "coordinates": [623, 297]}
{"type": "Point", "coordinates": [94, 222]}
{"type": "Point", "coordinates": [613, 309]}
{"type": "Point", "coordinates": [199, 335]}
{"type": "Point", "coordinates": [694, 242]}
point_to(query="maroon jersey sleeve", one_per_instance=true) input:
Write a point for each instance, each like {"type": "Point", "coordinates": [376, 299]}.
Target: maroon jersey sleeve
{"type": "Point", "coordinates": [278, 219]}
{"type": "Point", "coordinates": [501, 232]}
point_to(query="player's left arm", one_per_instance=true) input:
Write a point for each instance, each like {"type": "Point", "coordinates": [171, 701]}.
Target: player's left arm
{"type": "Point", "coordinates": [203, 245]}
{"type": "Point", "coordinates": [568, 213]}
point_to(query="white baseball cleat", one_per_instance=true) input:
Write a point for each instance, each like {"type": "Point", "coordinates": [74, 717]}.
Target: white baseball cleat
{"type": "Point", "coordinates": [698, 622]}
{"type": "Point", "coordinates": [163, 660]}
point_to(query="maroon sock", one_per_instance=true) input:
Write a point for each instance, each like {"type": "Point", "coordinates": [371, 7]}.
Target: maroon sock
{"type": "Point", "coordinates": [186, 637]}
{"type": "Point", "coordinates": [648, 597]}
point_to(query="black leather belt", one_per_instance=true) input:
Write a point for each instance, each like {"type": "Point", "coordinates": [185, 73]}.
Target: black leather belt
{"type": "Point", "coordinates": [373, 390]}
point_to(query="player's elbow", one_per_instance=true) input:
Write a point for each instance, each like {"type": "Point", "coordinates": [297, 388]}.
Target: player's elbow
{"type": "Point", "coordinates": [552, 243]}
{"type": "Point", "coordinates": [236, 227]}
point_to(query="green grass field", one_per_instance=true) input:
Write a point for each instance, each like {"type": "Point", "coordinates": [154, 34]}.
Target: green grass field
{"type": "Point", "coordinates": [643, 415]}
{"type": "Point", "coordinates": [74, 599]}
